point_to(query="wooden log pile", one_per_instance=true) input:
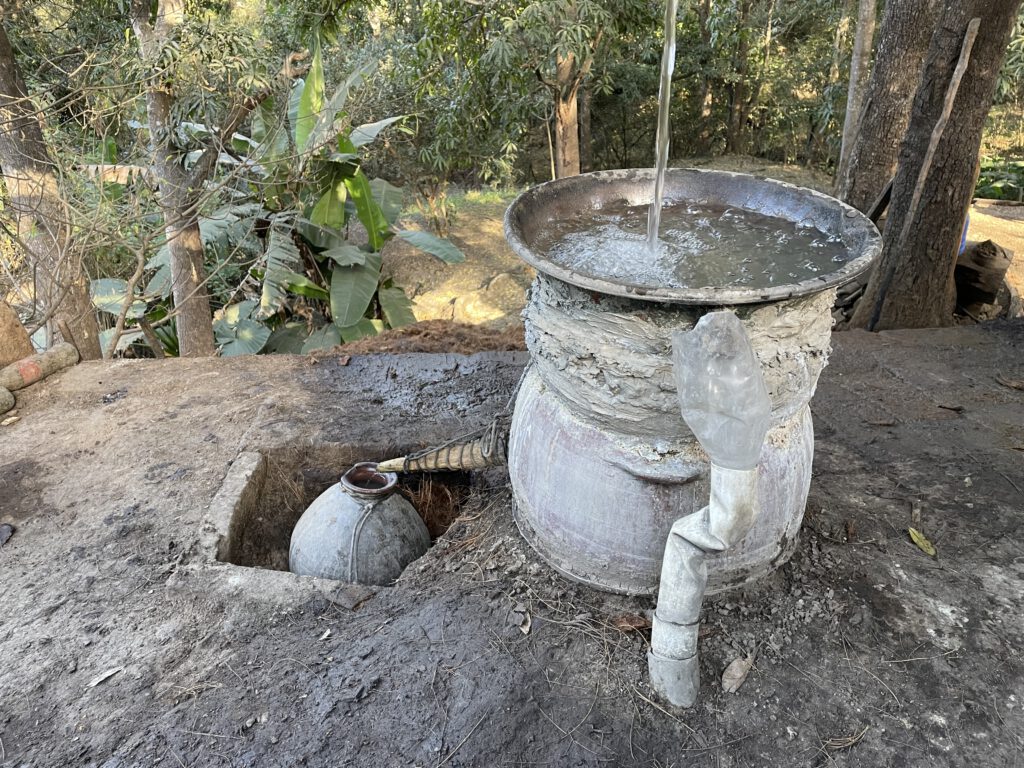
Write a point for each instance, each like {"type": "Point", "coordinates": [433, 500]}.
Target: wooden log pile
{"type": "Point", "coordinates": [19, 366]}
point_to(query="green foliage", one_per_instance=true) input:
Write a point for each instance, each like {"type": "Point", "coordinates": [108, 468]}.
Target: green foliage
{"type": "Point", "coordinates": [296, 216]}
{"type": "Point", "coordinates": [321, 225]}
{"type": "Point", "coordinates": [311, 101]}
{"type": "Point", "coordinates": [442, 249]}
{"type": "Point", "coordinates": [1010, 85]}
{"type": "Point", "coordinates": [238, 331]}
{"type": "Point", "coordinates": [109, 294]}
{"type": "Point", "coordinates": [1001, 179]}
{"type": "Point", "coordinates": [478, 80]}
{"type": "Point", "coordinates": [229, 239]}
{"type": "Point", "coordinates": [352, 289]}
{"type": "Point", "coordinates": [298, 19]}
{"type": "Point", "coordinates": [396, 307]}
{"type": "Point", "coordinates": [293, 226]}
{"type": "Point", "coordinates": [281, 260]}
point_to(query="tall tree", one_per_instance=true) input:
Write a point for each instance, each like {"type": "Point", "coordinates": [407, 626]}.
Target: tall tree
{"type": "Point", "coordinates": [586, 129]}
{"type": "Point", "coordinates": [745, 30]}
{"type": "Point", "coordinates": [178, 192]}
{"type": "Point", "coordinates": [738, 86]}
{"type": "Point", "coordinates": [216, 60]}
{"type": "Point", "coordinates": [903, 39]}
{"type": "Point", "coordinates": [703, 10]}
{"type": "Point", "coordinates": [912, 285]}
{"type": "Point", "coordinates": [569, 75]}
{"type": "Point", "coordinates": [43, 220]}
{"type": "Point", "coordinates": [560, 40]}
{"type": "Point", "coordinates": [860, 66]}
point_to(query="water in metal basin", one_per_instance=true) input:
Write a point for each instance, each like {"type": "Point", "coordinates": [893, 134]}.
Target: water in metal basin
{"type": "Point", "coordinates": [701, 246]}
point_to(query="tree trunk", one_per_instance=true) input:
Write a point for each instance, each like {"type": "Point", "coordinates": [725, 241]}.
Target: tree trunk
{"type": "Point", "coordinates": [567, 137]}
{"type": "Point", "coordinates": [906, 31]}
{"type": "Point", "coordinates": [586, 139]}
{"type": "Point", "coordinates": [707, 101]}
{"type": "Point", "coordinates": [755, 92]}
{"type": "Point", "coordinates": [860, 66]}
{"type": "Point", "coordinates": [738, 100]}
{"type": "Point", "coordinates": [177, 198]}
{"type": "Point", "coordinates": [839, 41]}
{"type": "Point", "coordinates": [707, 94]}
{"type": "Point", "coordinates": [40, 212]}
{"type": "Point", "coordinates": [819, 124]}
{"type": "Point", "coordinates": [912, 286]}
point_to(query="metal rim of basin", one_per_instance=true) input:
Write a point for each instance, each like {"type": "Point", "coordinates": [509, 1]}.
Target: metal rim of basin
{"type": "Point", "coordinates": [363, 479]}
{"type": "Point", "coordinates": [586, 190]}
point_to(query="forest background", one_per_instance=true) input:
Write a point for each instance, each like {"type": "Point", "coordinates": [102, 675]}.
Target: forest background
{"type": "Point", "coordinates": [202, 176]}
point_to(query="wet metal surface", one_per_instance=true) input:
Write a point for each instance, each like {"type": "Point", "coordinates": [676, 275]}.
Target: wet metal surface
{"type": "Point", "coordinates": [533, 213]}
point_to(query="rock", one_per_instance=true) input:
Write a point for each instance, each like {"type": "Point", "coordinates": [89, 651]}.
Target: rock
{"type": "Point", "coordinates": [6, 400]}
{"type": "Point", "coordinates": [6, 531]}
{"type": "Point", "coordinates": [14, 341]}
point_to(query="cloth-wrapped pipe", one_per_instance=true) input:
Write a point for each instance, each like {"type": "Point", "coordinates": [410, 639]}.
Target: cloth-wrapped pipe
{"type": "Point", "coordinates": [488, 450]}
{"type": "Point", "coordinates": [673, 660]}
{"type": "Point", "coordinates": [725, 401]}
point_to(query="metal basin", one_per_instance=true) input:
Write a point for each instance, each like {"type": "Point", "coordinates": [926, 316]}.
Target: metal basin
{"type": "Point", "coordinates": [601, 461]}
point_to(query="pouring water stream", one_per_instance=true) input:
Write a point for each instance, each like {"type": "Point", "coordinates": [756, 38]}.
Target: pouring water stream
{"type": "Point", "coordinates": [668, 62]}
{"type": "Point", "coordinates": [689, 243]}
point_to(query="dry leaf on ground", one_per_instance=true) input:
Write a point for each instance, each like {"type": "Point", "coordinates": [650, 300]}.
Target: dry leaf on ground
{"type": "Point", "coordinates": [525, 622]}
{"type": "Point", "coordinates": [628, 622]}
{"type": "Point", "coordinates": [103, 677]}
{"type": "Point", "coordinates": [736, 673]}
{"type": "Point", "coordinates": [922, 542]}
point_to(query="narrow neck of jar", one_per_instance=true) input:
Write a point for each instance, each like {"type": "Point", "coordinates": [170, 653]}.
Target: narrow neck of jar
{"type": "Point", "coordinates": [364, 481]}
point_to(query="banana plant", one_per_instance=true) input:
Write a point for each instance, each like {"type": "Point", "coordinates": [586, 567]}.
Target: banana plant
{"type": "Point", "coordinates": [327, 222]}
{"type": "Point", "coordinates": [311, 225]}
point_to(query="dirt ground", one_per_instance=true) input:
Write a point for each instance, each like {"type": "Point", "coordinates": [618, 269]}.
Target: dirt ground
{"type": "Point", "coordinates": [123, 644]}
{"type": "Point", "coordinates": [489, 288]}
